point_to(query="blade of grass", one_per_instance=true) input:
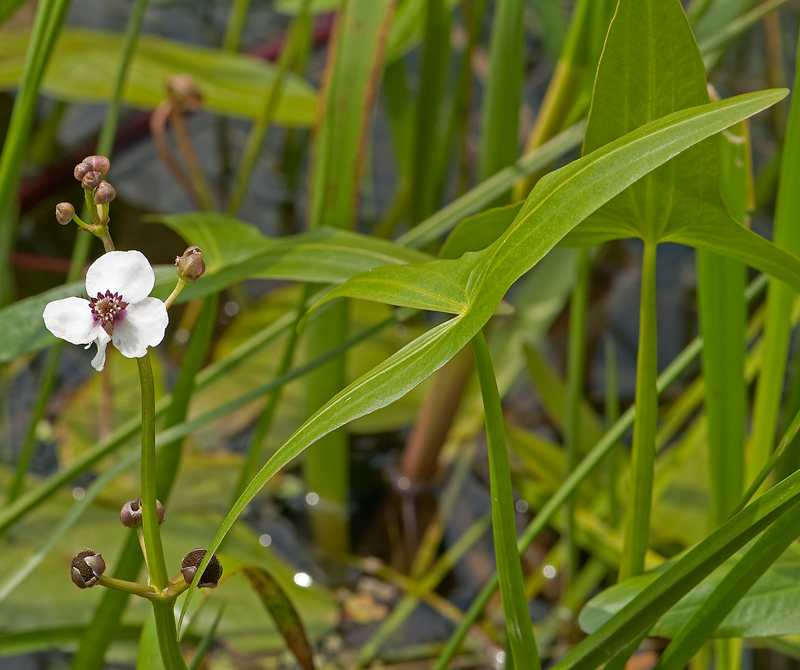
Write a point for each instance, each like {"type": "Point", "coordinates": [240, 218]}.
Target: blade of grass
{"type": "Point", "coordinates": [47, 24]}
{"type": "Point", "coordinates": [636, 618]}
{"type": "Point", "coordinates": [255, 138]}
{"type": "Point", "coordinates": [502, 96]}
{"type": "Point", "coordinates": [779, 302]}
{"type": "Point", "coordinates": [509, 570]}
{"type": "Point", "coordinates": [427, 134]}
{"type": "Point", "coordinates": [732, 588]}
{"type": "Point", "coordinates": [722, 313]}
{"type": "Point", "coordinates": [575, 370]}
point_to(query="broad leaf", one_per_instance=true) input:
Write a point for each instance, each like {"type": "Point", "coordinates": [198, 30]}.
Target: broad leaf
{"type": "Point", "coordinates": [85, 62]}
{"type": "Point", "coordinates": [560, 201]}
{"type": "Point", "coordinates": [768, 609]}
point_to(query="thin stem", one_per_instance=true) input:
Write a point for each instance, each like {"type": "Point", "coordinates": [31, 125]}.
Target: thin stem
{"type": "Point", "coordinates": [127, 587]}
{"type": "Point", "coordinates": [637, 527]}
{"type": "Point", "coordinates": [512, 588]}
{"type": "Point", "coordinates": [259, 130]}
{"type": "Point", "coordinates": [200, 185]}
{"type": "Point", "coordinates": [154, 553]}
{"type": "Point", "coordinates": [235, 27]}
{"type": "Point", "coordinates": [175, 292]}
{"type": "Point", "coordinates": [577, 357]}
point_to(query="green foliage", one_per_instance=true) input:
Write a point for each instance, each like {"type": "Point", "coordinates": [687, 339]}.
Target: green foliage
{"type": "Point", "coordinates": [454, 80]}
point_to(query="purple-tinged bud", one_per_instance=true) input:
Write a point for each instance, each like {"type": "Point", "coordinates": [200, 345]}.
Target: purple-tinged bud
{"type": "Point", "coordinates": [82, 169]}
{"type": "Point", "coordinates": [211, 575]}
{"type": "Point", "coordinates": [131, 513]}
{"type": "Point", "coordinates": [190, 266]}
{"type": "Point", "coordinates": [64, 213]}
{"type": "Point", "coordinates": [104, 194]}
{"type": "Point", "coordinates": [87, 567]}
{"type": "Point", "coordinates": [98, 163]}
{"type": "Point", "coordinates": [91, 180]}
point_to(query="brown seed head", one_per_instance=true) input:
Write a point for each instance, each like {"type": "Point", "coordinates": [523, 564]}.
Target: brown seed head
{"type": "Point", "coordinates": [87, 566]}
{"type": "Point", "coordinates": [131, 513]}
{"type": "Point", "coordinates": [211, 575]}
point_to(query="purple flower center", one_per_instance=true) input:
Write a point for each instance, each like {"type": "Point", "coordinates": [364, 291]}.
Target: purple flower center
{"type": "Point", "coordinates": [106, 309]}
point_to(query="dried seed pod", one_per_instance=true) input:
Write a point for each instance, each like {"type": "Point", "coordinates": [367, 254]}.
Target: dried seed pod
{"type": "Point", "coordinates": [190, 265]}
{"type": "Point", "coordinates": [64, 213]}
{"type": "Point", "coordinates": [104, 194]}
{"type": "Point", "coordinates": [211, 575]}
{"type": "Point", "coordinates": [131, 513]}
{"type": "Point", "coordinates": [87, 567]}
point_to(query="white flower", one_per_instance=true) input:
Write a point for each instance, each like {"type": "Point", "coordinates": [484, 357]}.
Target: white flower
{"type": "Point", "coordinates": [117, 310]}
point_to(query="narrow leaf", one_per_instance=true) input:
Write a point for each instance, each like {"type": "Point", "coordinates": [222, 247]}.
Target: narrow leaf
{"type": "Point", "coordinates": [283, 612]}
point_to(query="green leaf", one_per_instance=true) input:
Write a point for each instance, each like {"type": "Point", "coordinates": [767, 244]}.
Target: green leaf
{"type": "Point", "coordinates": [512, 589]}
{"type": "Point", "coordinates": [283, 612]}
{"type": "Point", "coordinates": [231, 84]}
{"type": "Point", "coordinates": [651, 67]}
{"type": "Point", "coordinates": [560, 201]}
{"type": "Point", "coordinates": [667, 588]}
{"type": "Point", "coordinates": [478, 232]}
{"type": "Point", "coordinates": [728, 592]}
{"type": "Point", "coordinates": [766, 610]}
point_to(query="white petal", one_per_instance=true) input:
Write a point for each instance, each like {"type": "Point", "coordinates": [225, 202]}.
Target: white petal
{"type": "Point", "coordinates": [72, 320]}
{"type": "Point", "coordinates": [99, 361]}
{"type": "Point", "coordinates": [127, 273]}
{"type": "Point", "coordinates": [143, 326]}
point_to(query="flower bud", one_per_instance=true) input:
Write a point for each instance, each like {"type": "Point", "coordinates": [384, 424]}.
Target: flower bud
{"type": "Point", "coordinates": [190, 266]}
{"type": "Point", "coordinates": [87, 567]}
{"type": "Point", "coordinates": [104, 194]}
{"type": "Point", "coordinates": [81, 169]}
{"type": "Point", "coordinates": [91, 180]}
{"type": "Point", "coordinates": [99, 164]}
{"type": "Point", "coordinates": [64, 213]}
{"type": "Point", "coordinates": [211, 574]}
{"type": "Point", "coordinates": [131, 513]}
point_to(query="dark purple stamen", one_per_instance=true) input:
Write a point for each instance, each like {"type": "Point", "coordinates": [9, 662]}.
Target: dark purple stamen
{"type": "Point", "coordinates": [107, 308]}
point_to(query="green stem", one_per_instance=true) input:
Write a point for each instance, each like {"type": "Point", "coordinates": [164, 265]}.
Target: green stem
{"type": "Point", "coordinates": [167, 634]}
{"type": "Point", "coordinates": [637, 526]}
{"type": "Point", "coordinates": [512, 588]}
{"type": "Point", "coordinates": [577, 357]}
{"type": "Point", "coordinates": [259, 130]}
{"type": "Point", "coordinates": [127, 587]}
{"type": "Point", "coordinates": [235, 27]}
{"type": "Point", "coordinates": [154, 553]}
{"type": "Point", "coordinates": [47, 23]}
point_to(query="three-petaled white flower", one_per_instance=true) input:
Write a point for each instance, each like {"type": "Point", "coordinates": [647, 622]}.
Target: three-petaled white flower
{"type": "Point", "coordinates": [117, 310]}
